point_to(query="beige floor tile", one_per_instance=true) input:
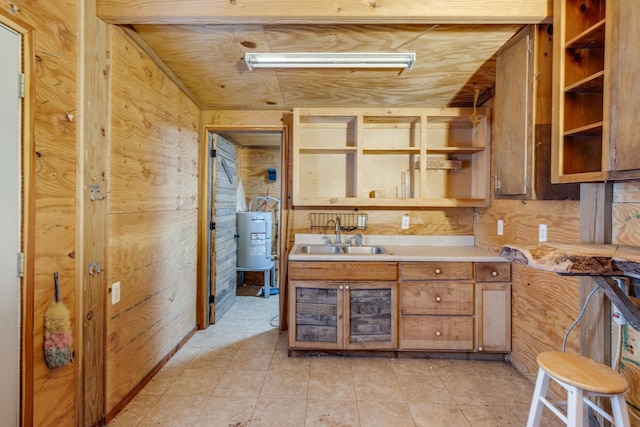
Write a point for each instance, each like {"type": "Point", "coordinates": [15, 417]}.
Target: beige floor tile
{"type": "Point", "coordinates": [331, 385]}
{"type": "Point", "coordinates": [247, 359]}
{"type": "Point", "coordinates": [437, 415]}
{"type": "Point", "coordinates": [226, 411]}
{"type": "Point", "coordinates": [279, 413]}
{"type": "Point", "coordinates": [135, 411]}
{"type": "Point", "coordinates": [385, 414]}
{"type": "Point", "coordinates": [240, 384]}
{"type": "Point", "coordinates": [365, 365]}
{"type": "Point", "coordinates": [412, 367]}
{"type": "Point", "coordinates": [472, 390]}
{"type": "Point", "coordinates": [162, 381]}
{"type": "Point", "coordinates": [283, 363]}
{"type": "Point", "coordinates": [376, 387]}
{"type": "Point", "coordinates": [330, 363]}
{"type": "Point", "coordinates": [424, 388]}
{"type": "Point", "coordinates": [209, 358]}
{"type": "Point", "coordinates": [195, 382]}
{"type": "Point", "coordinates": [290, 385]}
{"type": "Point", "coordinates": [496, 415]}
{"type": "Point", "coordinates": [331, 413]}
{"type": "Point", "coordinates": [264, 341]}
{"type": "Point", "coordinates": [174, 411]}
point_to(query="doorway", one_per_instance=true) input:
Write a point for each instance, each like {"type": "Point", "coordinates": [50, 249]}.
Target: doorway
{"type": "Point", "coordinates": [11, 219]}
{"type": "Point", "coordinates": [258, 152]}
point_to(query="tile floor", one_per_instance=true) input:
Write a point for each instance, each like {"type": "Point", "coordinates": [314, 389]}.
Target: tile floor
{"type": "Point", "coordinates": [237, 373]}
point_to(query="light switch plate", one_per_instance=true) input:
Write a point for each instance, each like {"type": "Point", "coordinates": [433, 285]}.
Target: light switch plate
{"type": "Point", "coordinates": [405, 222]}
{"type": "Point", "coordinates": [115, 293]}
{"type": "Point", "coordinates": [542, 233]}
{"type": "Point", "coordinates": [500, 227]}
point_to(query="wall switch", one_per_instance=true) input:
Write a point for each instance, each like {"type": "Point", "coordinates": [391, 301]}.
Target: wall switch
{"type": "Point", "coordinates": [115, 293]}
{"type": "Point", "coordinates": [542, 233]}
{"type": "Point", "coordinates": [500, 227]}
{"type": "Point", "coordinates": [405, 222]}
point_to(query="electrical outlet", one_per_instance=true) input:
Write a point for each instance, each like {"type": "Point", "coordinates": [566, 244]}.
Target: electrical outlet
{"type": "Point", "coordinates": [405, 222]}
{"type": "Point", "coordinates": [500, 227]}
{"type": "Point", "coordinates": [542, 233]}
{"type": "Point", "coordinates": [115, 293]}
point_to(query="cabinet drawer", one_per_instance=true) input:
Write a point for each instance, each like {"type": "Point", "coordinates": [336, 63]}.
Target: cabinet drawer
{"type": "Point", "coordinates": [436, 333]}
{"type": "Point", "coordinates": [493, 272]}
{"type": "Point", "coordinates": [436, 298]}
{"type": "Point", "coordinates": [435, 270]}
{"type": "Point", "coordinates": [343, 271]}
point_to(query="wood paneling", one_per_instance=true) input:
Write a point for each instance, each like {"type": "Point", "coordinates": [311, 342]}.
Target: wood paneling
{"type": "Point", "coordinates": [152, 223]}
{"type": "Point", "coordinates": [343, 11]}
{"type": "Point", "coordinates": [543, 304]}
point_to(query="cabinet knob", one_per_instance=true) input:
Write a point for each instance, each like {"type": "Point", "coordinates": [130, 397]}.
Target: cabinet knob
{"type": "Point", "coordinates": [480, 348]}
{"type": "Point", "coordinates": [438, 299]}
{"type": "Point", "coordinates": [340, 287]}
{"type": "Point", "coordinates": [494, 273]}
{"type": "Point", "coordinates": [438, 333]}
{"type": "Point", "coordinates": [347, 287]}
{"type": "Point", "coordinates": [438, 271]}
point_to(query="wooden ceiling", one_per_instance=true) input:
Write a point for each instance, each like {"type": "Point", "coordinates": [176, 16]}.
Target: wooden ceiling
{"type": "Point", "coordinates": [452, 60]}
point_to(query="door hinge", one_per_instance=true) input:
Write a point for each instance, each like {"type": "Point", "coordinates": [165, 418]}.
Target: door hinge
{"type": "Point", "coordinates": [526, 183]}
{"type": "Point", "coordinates": [20, 264]}
{"type": "Point", "coordinates": [496, 182]}
{"type": "Point", "coordinates": [212, 225]}
{"type": "Point", "coordinates": [213, 152]}
{"type": "Point", "coordinates": [212, 299]}
{"type": "Point", "coordinates": [21, 85]}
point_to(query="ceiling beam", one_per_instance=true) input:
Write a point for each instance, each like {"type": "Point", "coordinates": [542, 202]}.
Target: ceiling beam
{"type": "Point", "coordinates": [318, 12]}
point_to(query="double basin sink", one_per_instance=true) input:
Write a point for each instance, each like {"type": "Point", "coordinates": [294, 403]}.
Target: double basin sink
{"type": "Point", "coordinates": [339, 249]}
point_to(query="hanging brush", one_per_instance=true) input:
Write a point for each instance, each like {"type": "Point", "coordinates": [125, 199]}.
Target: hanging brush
{"type": "Point", "coordinates": [57, 331]}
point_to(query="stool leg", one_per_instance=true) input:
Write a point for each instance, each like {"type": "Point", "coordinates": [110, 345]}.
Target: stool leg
{"type": "Point", "coordinates": [267, 279]}
{"type": "Point", "coordinates": [577, 411]}
{"type": "Point", "coordinates": [619, 410]}
{"type": "Point", "coordinates": [540, 390]}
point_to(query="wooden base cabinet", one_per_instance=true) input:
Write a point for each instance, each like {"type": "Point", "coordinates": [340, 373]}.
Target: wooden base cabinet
{"type": "Point", "coordinates": [342, 308]}
{"type": "Point", "coordinates": [493, 307]}
{"type": "Point", "coordinates": [455, 306]}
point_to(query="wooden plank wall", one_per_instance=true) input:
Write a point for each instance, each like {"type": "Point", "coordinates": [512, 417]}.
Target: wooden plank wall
{"type": "Point", "coordinates": [225, 218]}
{"type": "Point", "coordinates": [544, 304]}
{"type": "Point", "coordinates": [152, 220]}
{"type": "Point", "coordinates": [626, 231]}
{"type": "Point", "coordinates": [54, 26]}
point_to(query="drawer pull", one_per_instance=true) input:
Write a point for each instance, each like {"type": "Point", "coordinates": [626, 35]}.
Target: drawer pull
{"type": "Point", "coordinates": [438, 271]}
{"type": "Point", "coordinates": [480, 348]}
{"type": "Point", "coordinates": [438, 333]}
{"type": "Point", "coordinates": [438, 299]}
{"type": "Point", "coordinates": [494, 273]}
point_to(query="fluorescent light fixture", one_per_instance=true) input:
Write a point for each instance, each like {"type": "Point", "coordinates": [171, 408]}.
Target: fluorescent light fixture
{"type": "Point", "coordinates": [330, 60]}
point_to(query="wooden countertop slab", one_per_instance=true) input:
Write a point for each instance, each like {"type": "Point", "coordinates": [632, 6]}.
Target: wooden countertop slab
{"type": "Point", "coordinates": [599, 261]}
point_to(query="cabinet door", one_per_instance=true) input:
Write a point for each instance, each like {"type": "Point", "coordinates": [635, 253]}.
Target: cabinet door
{"type": "Point", "coordinates": [493, 316]}
{"type": "Point", "coordinates": [371, 315]}
{"type": "Point", "coordinates": [513, 119]}
{"type": "Point", "coordinates": [315, 315]}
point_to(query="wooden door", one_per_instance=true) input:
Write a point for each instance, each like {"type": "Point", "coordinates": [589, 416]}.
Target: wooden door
{"type": "Point", "coordinates": [222, 254]}
{"type": "Point", "coordinates": [10, 226]}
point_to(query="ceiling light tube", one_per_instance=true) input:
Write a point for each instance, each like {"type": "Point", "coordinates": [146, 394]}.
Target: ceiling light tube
{"type": "Point", "coordinates": [330, 60]}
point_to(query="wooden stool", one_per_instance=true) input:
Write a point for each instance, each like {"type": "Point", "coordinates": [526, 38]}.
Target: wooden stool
{"type": "Point", "coordinates": [582, 378]}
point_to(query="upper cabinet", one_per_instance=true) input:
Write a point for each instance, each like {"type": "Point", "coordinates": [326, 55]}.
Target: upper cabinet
{"type": "Point", "coordinates": [595, 79]}
{"type": "Point", "coordinates": [521, 129]}
{"type": "Point", "coordinates": [402, 157]}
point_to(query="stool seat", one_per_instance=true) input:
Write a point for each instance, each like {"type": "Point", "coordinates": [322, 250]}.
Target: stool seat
{"type": "Point", "coordinates": [582, 372]}
{"type": "Point", "coordinates": [582, 379]}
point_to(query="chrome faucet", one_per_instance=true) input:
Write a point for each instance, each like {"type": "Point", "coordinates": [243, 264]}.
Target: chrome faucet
{"type": "Point", "coordinates": [338, 239]}
{"type": "Point", "coordinates": [358, 238]}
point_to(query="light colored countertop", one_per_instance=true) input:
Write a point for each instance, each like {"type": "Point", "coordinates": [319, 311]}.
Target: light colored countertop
{"type": "Point", "coordinates": [403, 248]}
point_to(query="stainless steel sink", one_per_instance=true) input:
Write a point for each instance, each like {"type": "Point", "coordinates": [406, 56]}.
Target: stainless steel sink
{"type": "Point", "coordinates": [319, 249]}
{"type": "Point", "coordinates": [332, 249]}
{"type": "Point", "coordinates": [363, 250]}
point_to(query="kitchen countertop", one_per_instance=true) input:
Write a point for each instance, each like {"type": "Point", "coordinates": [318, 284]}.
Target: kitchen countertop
{"type": "Point", "coordinates": [404, 248]}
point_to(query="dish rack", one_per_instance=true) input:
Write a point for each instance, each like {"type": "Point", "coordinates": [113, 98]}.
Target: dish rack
{"type": "Point", "coordinates": [348, 221]}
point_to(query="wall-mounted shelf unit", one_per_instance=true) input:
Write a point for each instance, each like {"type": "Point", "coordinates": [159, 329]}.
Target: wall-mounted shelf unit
{"type": "Point", "coordinates": [405, 157]}
{"type": "Point", "coordinates": [594, 115]}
